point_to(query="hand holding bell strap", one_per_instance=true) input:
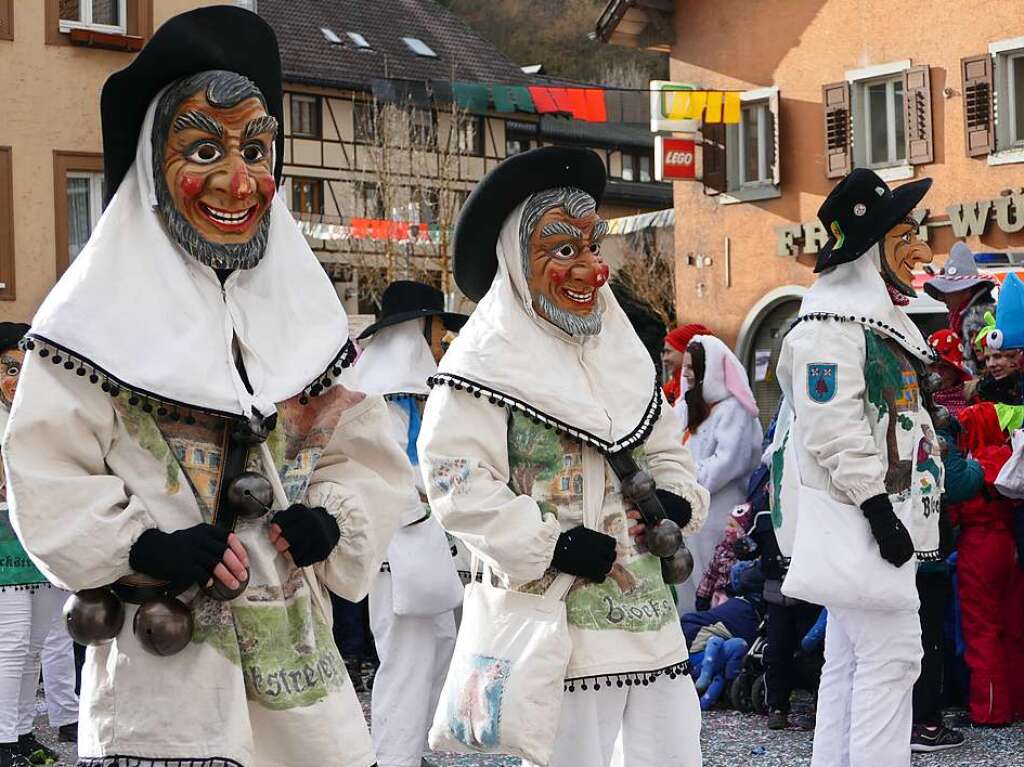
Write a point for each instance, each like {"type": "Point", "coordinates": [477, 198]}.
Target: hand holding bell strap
{"type": "Point", "coordinates": [636, 485]}
{"type": "Point", "coordinates": [183, 557]}
{"type": "Point", "coordinates": [310, 533]}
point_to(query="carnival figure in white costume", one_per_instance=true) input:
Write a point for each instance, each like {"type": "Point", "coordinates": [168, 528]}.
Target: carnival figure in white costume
{"type": "Point", "coordinates": [178, 453]}
{"type": "Point", "coordinates": [543, 392]}
{"type": "Point", "coordinates": [861, 476]}
{"type": "Point", "coordinates": [413, 599]}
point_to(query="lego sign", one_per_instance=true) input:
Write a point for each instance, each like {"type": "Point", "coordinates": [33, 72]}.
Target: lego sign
{"type": "Point", "coordinates": [675, 159]}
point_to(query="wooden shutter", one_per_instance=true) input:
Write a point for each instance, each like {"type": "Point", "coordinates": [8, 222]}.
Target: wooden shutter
{"type": "Point", "coordinates": [838, 157]}
{"type": "Point", "coordinates": [715, 175]}
{"type": "Point", "coordinates": [979, 117]}
{"type": "Point", "coordinates": [917, 109]}
{"type": "Point", "coordinates": [773, 136]}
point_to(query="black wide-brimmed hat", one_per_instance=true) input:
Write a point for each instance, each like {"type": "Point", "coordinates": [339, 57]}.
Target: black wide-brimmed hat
{"type": "Point", "coordinates": [500, 191]}
{"type": "Point", "coordinates": [859, 211]}
{"type": "Point", "coordinates": [218, 37]}
{"type": "Point", "coordinates": [11, 334]}
{"type": "Point", "coordinates": [407, 300]}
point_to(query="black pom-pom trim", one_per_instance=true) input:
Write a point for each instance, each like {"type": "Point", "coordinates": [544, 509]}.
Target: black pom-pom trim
{"type": "Point", "coordinates": [924, 351]}
{"type": "Point", "coordinates": [325, 380]}
{"type": "Point", "coordinates": [627, 679]}
{"type": "Point", "coordinates": [636, 437]}
{"type": "Point", "coordinates": [110, 384]}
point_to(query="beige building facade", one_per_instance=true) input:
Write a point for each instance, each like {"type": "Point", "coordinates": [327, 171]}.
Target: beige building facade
{"type": "Point", "coordinates": [911, 89]}
{"type": "Point", "coordinates": [52, 66]}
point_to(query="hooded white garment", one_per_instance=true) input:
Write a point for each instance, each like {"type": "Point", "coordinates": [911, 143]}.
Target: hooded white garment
{"type": "Point", "coordinates": [139, 308]}
{"type": "Point", "coordinates": [609, 395]}
{"type": "Point", "coordinates": [395, 360]}
{"type": "Point", "coordinates": [856, 292]}
{"type": "Point", "coordinates": [480, 457]}
{"type": "Point", "coordinates": [414, 649]}
{"type": "Point", "coordinates": [726, 448]}
{"type": "Point", "coordinates": [843, 442]}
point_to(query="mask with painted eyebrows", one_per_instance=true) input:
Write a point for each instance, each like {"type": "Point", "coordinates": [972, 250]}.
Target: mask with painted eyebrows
{"type": "Point", "coordinates": [214, 168]}
{"type": "Point", "coordinates": [560, 242]}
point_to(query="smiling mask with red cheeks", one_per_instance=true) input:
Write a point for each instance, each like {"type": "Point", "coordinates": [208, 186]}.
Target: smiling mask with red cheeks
{"type": "Point", "coordinates": [566, 270]}
{"type": "Point", "coordinates": [218, 167]}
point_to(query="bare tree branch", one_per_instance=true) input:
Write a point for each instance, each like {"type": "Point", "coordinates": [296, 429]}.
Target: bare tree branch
{"type": "Point", "coordinates": [648, 273]}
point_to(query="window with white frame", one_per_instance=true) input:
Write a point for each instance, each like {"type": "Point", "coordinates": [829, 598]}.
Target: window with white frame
{"type": "Point", "coordinates": [1009, 95]}
{"type": "Point", "coordinates": [754, 145]}
{"type": "Point", "coordinates": [422, 127]}
{"type": "Point", "coordinates": [1015, 97]}
{"type": "Point", "coordinates": [636, 165]}
{"type": "Point", "coordinates": [882, 129]}
{"type": "Point", "coordinates": [305, 116]}
{"type": "Point", "coordinates": [878, 135]}
{"type": "Point", "coordinates": [101, 15]}
{"type": "Point", "coordinates": [85, 204]}
{"type": "Point", "coordinates": [747, 152]}
{"type": "Point", "coordinates": [471, 134]}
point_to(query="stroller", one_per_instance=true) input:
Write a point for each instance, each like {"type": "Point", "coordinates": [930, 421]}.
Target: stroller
{"type": "Point", "coordinates": [749, 692]}
{"type": "Point", "coordinates": [749, 688]}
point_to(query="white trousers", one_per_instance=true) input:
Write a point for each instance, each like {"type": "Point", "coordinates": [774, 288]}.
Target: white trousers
{"type": "Point", "coordinates": [414, 657]}
{"type": "Point", "coordinates": [653, 726]}
{"type": "Point", "coordinates": [865, 712]}
{"type": "Point", "coordinates": [32, 633]}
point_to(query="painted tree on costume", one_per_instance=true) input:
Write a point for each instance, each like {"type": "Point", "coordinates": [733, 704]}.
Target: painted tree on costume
{"type": "Point", "coordinates": [884, 380]}
{"type": "Point", "coordinates": [532, 454]}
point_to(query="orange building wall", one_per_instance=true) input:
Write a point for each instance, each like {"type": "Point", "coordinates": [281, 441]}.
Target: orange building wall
{"type": "Point", "coordinates": [799, 45]}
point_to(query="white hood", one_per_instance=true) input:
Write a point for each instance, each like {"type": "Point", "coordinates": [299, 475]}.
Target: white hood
{"type": "Point", "coordinates": [135, 308]}
{"type": "Point", "coordinates": [395, 360]}
{"type": "Point", "coordinates": [601, 389]}
{"type": "Point", "coordinates": [856, 292]}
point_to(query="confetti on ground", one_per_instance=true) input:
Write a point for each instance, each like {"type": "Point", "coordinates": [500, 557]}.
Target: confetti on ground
{"type": "Point", "coordinates": [731, 739]}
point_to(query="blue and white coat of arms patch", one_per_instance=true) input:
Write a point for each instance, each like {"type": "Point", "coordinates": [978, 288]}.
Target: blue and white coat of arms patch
{"type": "Point", "coordinates": [821, 381]}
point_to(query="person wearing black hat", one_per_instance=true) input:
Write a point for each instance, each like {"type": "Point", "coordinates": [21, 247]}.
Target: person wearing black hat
{"type": "Point", "coordinates": [545, 390]}
{"type": "Point", "coordinates": [32, 633]}
{"type": "Point", "coordinates": [862, 476]}
{"type": "Point", "coordinates": [179, 453]}
{"type": "Point", "coordinates": [413, 599]}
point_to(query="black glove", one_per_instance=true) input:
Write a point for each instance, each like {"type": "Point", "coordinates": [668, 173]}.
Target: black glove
{"type": "Point", "coordinates": [584, 552]}
{"type": "Point", "coordinates": [311, 533]}
{"type": "Point", "coordinates": [894, 542]}
{"type": "Point", "coordinates": [702, 604]}
{"type": "Point", "coordinates": [182, 557]}
{"type": "Point", "coordinates": [676, 508]}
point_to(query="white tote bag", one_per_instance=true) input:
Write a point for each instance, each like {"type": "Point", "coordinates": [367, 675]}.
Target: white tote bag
{"type": "Point", "coordinates": [1010, 481]}
{"type": "Point", "coordinates": [503, 694]}
{"type": "Point", "coordinates": [836, 561]}
{"type": "Point", "coordinates": [424, 581]}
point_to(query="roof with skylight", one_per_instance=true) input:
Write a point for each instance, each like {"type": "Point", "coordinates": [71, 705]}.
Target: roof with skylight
{"type": "Point", "coordinates": [358, 40]}
{"type": "Point", "coordinates": [330, 36]}
{"type": "Point", "coordinates": [419, 47]}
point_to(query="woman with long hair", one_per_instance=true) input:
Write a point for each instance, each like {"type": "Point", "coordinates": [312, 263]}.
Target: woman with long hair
{"type": "Point", "coordinates": [723, 434]}
{"type": "Point", "coordinates": [672, 357]}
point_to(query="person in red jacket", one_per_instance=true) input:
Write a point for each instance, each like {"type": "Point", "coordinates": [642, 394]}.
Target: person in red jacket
{"type": "Point", "coordinates": [991, 584]}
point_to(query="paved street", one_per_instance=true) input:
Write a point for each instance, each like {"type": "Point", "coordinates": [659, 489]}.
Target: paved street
{"type": "Point", "coordinates": [742, 740]}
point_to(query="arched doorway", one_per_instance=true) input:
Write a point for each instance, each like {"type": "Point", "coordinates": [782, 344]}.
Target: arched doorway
{"type": "Point", "coordinates": [759, 342]}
